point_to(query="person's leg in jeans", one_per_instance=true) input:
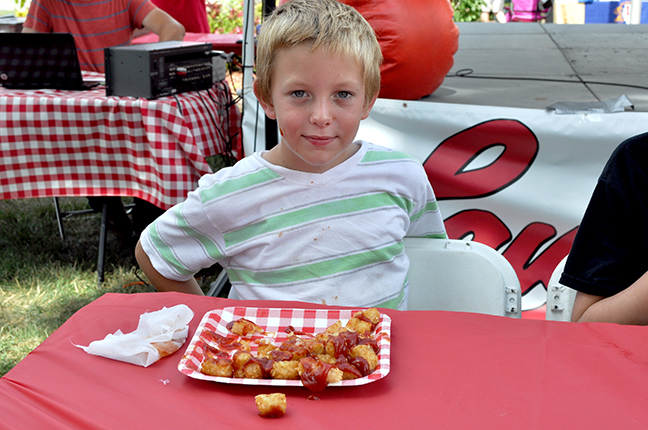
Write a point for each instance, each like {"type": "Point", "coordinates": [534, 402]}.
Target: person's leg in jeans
{"type": "Point", "coordinates": [143, 214]}
{"type": "Point", "coordinates": [118, 222]}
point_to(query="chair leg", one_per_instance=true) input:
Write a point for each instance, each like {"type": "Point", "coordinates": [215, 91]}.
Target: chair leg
{"type": "Point", "coordinates": [218, 284]}
{"type": "Point", "coordinates": [102, 244]}
{"type": "Point", "coordinates": [102, 233]}
{"type": "Point", "coordinates": [59, 218]}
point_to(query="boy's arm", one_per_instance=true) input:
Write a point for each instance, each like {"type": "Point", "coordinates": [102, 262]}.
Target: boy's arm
{"type": "Point", "coordinates": [629, 306]}
{"type": "Point", "coordinates": [164, 25]}
{"type": "Point", "coordinates": [160, 282]}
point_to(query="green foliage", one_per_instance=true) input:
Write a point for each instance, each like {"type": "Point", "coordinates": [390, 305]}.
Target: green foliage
{"type": "Point", "coordinates": [226, 16]}
{"type": "Point", "coordinates": [467, 10]}
{"type": "Point", "coordinates": [21, 7]}
{"type": "Point", "coordinates": [44, 280]}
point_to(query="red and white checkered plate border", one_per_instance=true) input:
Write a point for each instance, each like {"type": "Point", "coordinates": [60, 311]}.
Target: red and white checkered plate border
{"type": "Point", "coordinates": [274, 321]}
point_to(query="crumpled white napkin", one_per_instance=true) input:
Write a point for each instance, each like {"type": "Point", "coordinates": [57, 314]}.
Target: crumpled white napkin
{"type": "Point", "coordinates": [158, 334]}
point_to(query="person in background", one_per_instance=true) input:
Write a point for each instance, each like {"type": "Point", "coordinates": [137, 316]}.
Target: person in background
{"type": "Point", "coordinates": [192, 14]}
{"type": "Point", "coordinates": [607, 263]}
{"type": "Point", "coordinates": [320, 217]}
{"type": "Point", "coordinates": [95, 25]}
{"type": "Point", "coordinates": [496, 7]}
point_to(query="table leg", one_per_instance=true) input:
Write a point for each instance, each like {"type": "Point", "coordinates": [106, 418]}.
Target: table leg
{"type": "Point", "coordinates": [102, 244]}
{"type": "Point", "coordinates": [59, 218]}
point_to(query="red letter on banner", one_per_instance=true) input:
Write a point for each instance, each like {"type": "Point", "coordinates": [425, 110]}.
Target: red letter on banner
{"type": "Point", "coordinates": [478, 225]}
{"type": "Point", "coordinates": [448, 167]}
{"type": "Point", "coordinates": [526, 245]}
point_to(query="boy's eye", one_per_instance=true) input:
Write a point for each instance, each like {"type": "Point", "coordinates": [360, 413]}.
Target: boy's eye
{"type": "Point", "coordinates": [344, 94]}
{"type": "Point", "coordinates": [299, 94]}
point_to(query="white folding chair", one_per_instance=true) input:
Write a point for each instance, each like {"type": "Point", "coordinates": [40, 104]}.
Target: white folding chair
{"type": "Point", "coordinates": [560, 299]}
{"type": "Point", "coordinates": [458, 275]}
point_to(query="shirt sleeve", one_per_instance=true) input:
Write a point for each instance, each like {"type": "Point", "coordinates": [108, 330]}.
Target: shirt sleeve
{"type": "Point", "coordinates": [607, 255]}
{"type": "Point", "coordinates": [183, 240]}
{"type": "Point", "coordinates": [425, 219]}
{"type": "Point", "coordinates": [138, 10]}
{"type": "Point", "coordinates": [38, 17]}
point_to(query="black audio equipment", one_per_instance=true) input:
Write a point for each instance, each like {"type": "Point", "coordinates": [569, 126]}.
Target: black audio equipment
{"type": "Point", "coordinates": [153, 70]}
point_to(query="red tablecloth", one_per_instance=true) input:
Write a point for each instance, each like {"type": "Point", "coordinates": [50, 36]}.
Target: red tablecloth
{"type": "Point", "coordinates": [448, 371]}
{"type": "Point", "coordinates": [82, 143]}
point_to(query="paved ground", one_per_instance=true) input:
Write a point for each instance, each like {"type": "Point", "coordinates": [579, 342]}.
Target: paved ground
{"type": "Point", "coordinates": [534, 65]}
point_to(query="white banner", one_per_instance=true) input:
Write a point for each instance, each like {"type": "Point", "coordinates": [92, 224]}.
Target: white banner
{"type": "Point", "coordinates": [518, 180]}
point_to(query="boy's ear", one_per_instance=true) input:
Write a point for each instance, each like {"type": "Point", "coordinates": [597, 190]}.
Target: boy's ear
{"type": "Point", "coordinates": [367, 108]}
{"type": "Point", "coordinates": [267, 105]}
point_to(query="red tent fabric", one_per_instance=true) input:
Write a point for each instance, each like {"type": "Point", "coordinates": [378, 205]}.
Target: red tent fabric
{"type": "Point", "coordinates": [192, 14]}
{"type": "Point", "coordinates": [418, 39]}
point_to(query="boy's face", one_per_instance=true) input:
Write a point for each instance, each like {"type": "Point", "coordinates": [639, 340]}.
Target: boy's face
{"type": "Point", "coordinates": [318, 100]}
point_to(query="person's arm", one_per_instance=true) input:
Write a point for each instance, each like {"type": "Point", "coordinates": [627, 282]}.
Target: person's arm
{"type": "Point", "coordinates": [160, 282]}
{"type": "Point", "coordinates": [629, 306]}
{"type": "Point", "coordinates": [165, 26]}
{"type": "Point", "coordinates": [29, 30]}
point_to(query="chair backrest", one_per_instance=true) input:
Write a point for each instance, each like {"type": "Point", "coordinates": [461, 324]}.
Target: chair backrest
{"type": "Point", "coordinates": [458, 275]}
{"type": "Point", "coordinates": [560, 299]}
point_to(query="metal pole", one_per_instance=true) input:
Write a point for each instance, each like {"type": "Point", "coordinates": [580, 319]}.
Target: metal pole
{"type": "Point", "coordinates": [248, 48]}
{"type": "Point", "coordinates": [102, 244]}
{"type": "Point", "coordinates": [635, 11]}
{"type": "Point", "coordinates": [271, 132]}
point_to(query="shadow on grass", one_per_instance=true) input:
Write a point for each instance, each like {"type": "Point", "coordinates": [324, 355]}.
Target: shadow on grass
{"type": "Point", "coordinates": [30, 238]}
{"type": "Point", "coordinates": [44, 280]}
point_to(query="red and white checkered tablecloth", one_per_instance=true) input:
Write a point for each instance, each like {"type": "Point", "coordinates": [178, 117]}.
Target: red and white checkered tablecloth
{"type": "Point", "coordinates": [82, 143]}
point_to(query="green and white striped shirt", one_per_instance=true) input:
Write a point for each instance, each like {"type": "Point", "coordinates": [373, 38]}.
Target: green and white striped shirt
{"type": "Point", "coordinates": [333, 238]}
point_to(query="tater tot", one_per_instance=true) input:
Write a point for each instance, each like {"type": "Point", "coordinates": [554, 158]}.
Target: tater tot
{"type": "Point", "coordinates": [372, 315]}
{"type": "Point", "coordinates": [359, 325]}
{"type": "Point", "coordinates": [333, 328]}
{"type": "Point", "coordinates": [218, 367]}
{"type": "Point", "coordinates": [326, 358]}
{"type": "Point", "coordinates": [286, 370]}
{"type": "Point", "coordinates": [314, 346]}
{"type": "Point", "coordinates": [334, 375]}
{"type": "Point", "coordinates": [364, 322]}
{"type": "Point", "coordinates": [271, 405]}
{"type": "Point", "coordinates": [239, 361]}
{"type": "Point", "coordinates": [264, 348]}
{"type": "Point", "coordinates": [244, 327]}
{"type": "Point", "coordinates": [252, 370]}
{"type": "Point", "coordinates": [366, 352]}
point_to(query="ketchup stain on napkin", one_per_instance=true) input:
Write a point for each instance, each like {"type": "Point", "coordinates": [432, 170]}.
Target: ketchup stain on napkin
{"type": "Point", "coordinates": [158, 334]}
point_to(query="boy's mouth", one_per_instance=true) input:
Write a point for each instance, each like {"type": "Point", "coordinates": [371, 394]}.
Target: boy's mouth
{"type": "Point", "coordinates": [319, 140]}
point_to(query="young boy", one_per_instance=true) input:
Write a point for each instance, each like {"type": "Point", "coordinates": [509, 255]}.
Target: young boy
{"type": "Point", "coordinates": [318, 218]}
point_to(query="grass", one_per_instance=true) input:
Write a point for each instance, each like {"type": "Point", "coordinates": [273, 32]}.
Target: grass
{"type": "Point", "coordinates": [44, 280]}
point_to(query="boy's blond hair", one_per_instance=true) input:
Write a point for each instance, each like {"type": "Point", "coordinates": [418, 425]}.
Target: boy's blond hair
{"type": "Point", "coordinates": [329, 25]}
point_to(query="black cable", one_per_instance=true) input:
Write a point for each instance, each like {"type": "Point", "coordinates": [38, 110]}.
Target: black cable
{"type": "Point", "coordinates": [175, 96]}
{"type": "Point", "coordinates": [467, 73]}
{"type": "Point", "coordinates": [231, 160]}
{"type": "Point", "coordinates": [142, 280]}
{"type": "Point", "coordinates": [231, 74]}
{"type": "Point", "coordinates": [220, 132]}
{"type": "Point", "coordinates": [226, 142]}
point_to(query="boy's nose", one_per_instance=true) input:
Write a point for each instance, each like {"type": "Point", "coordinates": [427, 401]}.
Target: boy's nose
{"type": "Point", "coordinates": [322, 113]}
